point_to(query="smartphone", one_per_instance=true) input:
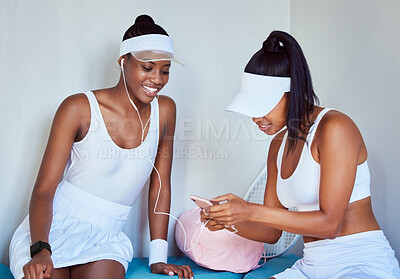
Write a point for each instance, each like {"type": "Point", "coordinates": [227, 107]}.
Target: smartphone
{"type": "Point", "coordinates": [202, 202]}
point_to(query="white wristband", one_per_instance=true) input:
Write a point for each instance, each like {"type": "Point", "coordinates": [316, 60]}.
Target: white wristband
{"type": "Point", "coordinates": [158, 251]}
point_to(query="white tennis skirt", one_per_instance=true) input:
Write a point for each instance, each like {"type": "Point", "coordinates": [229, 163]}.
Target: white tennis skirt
{"type": "Point", "coordinates": [85, 228]}
{"type": "Point", "coordinates": [363, 255]}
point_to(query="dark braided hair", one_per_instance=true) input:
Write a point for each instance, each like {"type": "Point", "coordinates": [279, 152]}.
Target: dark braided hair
{"type": "Point", "coordinates": [282, 56]}
{"type": "Point", "coordinates": [143, 25]}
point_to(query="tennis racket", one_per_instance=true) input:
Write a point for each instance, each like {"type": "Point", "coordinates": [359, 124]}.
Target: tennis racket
{"type": "Point", "coordinates": [255, 194]}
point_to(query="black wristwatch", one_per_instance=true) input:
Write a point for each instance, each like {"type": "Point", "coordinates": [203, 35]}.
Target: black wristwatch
{"type": "Point", "coordinates": [39, 246]}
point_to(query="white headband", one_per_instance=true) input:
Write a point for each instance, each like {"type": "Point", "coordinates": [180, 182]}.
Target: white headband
{"type": "Point", "coordinates": [259, 94]}
{"type": "Point", "coordinates": [147, 42]}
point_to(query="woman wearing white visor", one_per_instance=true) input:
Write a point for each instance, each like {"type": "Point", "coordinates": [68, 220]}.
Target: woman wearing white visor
{"type": "Point", "coordinates": [317, 164]}
{"type": "Point", "coordinates": [103, 147]}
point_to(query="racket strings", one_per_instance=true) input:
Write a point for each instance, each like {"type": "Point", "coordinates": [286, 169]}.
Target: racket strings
{"type": "Point", "coordinates": [255, 194]}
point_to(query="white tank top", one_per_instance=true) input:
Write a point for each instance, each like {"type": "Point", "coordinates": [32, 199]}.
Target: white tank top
{"type": "Point", "coordinates": [301, 189]}
{"type": "Point", "coordinates": [99, 166]}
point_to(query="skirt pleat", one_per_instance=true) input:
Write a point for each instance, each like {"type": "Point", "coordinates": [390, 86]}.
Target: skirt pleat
{"type": "Point", "coordinates": [85, 228]}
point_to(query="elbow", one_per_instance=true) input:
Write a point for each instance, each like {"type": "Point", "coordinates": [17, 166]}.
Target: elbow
{"type": "Point", "coordinates": [42, 194]}
{"type": "Point", "coordinates": [331, 229]}
{"type": "Point", "coordinates": [332, 234]}
{"type": "Point", "coordinates": [274, 237]}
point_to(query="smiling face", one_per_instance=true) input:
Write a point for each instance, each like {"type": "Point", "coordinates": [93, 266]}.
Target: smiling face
{"type": "Point", "coordinates": [145, 79]}
{"type": "Point", "coordinates": [275, 120]}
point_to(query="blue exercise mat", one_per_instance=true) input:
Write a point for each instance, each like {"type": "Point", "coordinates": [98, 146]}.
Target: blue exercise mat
{"type": "Point", "coordinates": [5, 272]}
{"type": "Point", "coordinates": [272, 267]}
{"type": "Point", "coordinates": [139, 268]}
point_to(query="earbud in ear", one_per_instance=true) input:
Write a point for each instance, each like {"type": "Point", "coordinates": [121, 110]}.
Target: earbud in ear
{"type": "Point", "coordinates": [122, 63]}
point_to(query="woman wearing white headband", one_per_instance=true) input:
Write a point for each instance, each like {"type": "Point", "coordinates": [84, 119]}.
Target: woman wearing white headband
{"type": "Point", "coordinates": [317, 164]}
{"type": "Point", "coordinates": [103, 147]}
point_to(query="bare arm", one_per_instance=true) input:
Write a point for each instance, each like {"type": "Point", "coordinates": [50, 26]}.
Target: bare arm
{"type": "Point", "coordinates": [338, 144]}
{"type": "Point", "coordinates": [163, 163]}
{"type": "Point", "coordinates": [259, 231]}
{"type": "Point", "coordinates": [159, 222]}
{"type": "Point", "coordinates": [65, 128]}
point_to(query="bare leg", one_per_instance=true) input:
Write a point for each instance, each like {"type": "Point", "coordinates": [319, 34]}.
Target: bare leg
{"type": "Point", "coordinates": [98, 270]}
{"type": "Point", "coordinates": [61, 273]}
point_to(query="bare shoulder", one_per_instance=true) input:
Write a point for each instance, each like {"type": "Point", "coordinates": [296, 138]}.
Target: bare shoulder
{"type": "Point", "coordinates": [167, 107]}
{"type": "Point", "coordinates": [337, 127]}
{"type": "Point", "coordinates": [73, 114]}
{"type": "Point", "coordinates": [337, 122]}
{"type": "Point", "coordinates": [76, 105]}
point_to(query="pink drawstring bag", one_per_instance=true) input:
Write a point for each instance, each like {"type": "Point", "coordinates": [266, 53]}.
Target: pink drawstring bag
{"type": "Point", "coordinates": [221, 250]}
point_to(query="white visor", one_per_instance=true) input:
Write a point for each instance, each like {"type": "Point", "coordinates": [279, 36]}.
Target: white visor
{"type": "Point", "coordinates": [259, 94]}
{"type": "Point", "coordinates": [147, 48]}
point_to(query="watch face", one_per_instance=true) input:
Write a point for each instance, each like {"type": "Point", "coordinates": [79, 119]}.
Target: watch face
{"type": "Point", "coordinates": [38, 246]}
{"type": "Point", "coordinates": [35, 248]}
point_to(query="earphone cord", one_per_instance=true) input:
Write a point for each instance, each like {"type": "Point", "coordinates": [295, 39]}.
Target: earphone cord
{"type": "Point", "coordinates": [158, 174]}
{"type": "Point", "coordinates": [134, 106]}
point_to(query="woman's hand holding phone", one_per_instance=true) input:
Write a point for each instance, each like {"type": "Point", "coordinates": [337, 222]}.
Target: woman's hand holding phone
{"type": "Point", "coordinates": [204, 204]}
{"type": "Point", "coordinates": [235, 210]}
{"type": "Point", "coordinates": [211, 224]}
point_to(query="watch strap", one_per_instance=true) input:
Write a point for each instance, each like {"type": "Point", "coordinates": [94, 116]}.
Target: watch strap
{"type": "Point", "coordinates": [39, 246]}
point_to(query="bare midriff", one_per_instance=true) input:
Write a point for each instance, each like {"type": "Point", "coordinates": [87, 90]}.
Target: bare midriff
{"type": "Point", "coordinates": [358, 218]}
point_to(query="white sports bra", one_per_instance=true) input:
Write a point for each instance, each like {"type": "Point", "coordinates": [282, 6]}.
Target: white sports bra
{"type": "Point", "coordinates": [301, 189]}
{"type": "Point", "coordinates": [102, 168]}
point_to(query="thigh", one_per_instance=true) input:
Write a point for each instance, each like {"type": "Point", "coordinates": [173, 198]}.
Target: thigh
{"type": "Point", "coordinates": [98, 270]}
{"type": "Point", "coordinates": [61, 273]}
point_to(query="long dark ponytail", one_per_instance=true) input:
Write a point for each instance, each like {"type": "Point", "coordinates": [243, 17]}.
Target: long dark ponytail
{"type": "Point", "coordinates": [282, 56]}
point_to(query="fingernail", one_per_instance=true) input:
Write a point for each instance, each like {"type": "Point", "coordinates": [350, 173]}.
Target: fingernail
{"type": "Point", "coordinates": [171, 273]}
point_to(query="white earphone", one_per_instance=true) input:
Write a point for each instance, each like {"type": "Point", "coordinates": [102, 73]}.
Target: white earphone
{"type": "Point", "coordinates": [133, 104]}
{"type": "Point", "coordinates": [159, 177]}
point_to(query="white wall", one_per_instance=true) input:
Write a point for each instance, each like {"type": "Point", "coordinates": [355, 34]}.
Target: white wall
{"type": "Point", "coordinates": [50, 49]}
{"type": "Point", "coordinates": [353, 53]}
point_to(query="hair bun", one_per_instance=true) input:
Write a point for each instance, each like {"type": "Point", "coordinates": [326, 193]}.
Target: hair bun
{"type": "Point", "coordinates": [271, 43]}
{"type": "Point", "coordinates": [144, 18]}
{"type": "Point", "coordinates": [144, 25]}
